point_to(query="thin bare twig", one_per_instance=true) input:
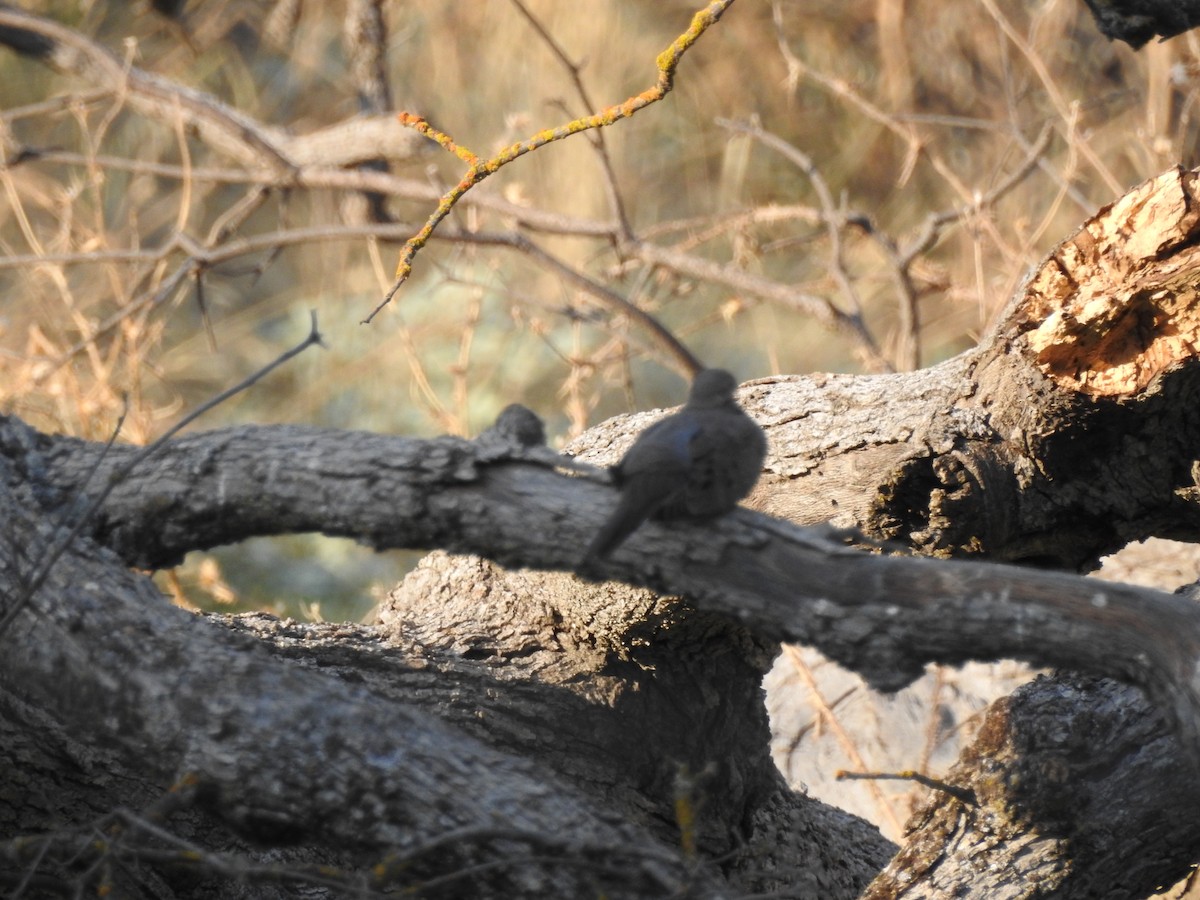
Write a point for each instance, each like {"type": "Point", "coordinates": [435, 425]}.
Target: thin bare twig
{"type": "Point", "coordinates": [798, 68]}
{"type": "Point", "coordinates": [834, 220]}
{"type": "Point", "coordinates": [55, 551]}
{"type": "Point", "coordinates": [224, 127]}
{"type": "Point", "coordinates": [844, 739]}
{"type": "Point", "coordinates": [966, 796]}
{"type": "Point", "coordinates": [935, 223]}
{"type": "Point", "coordinates": [322, 178]}
{"type": "Point", "coordinates": [663, 336]}
{"type": "Point", "coordinates": [667, 62]}
{"type": "Point", "coordinates": [597, 136]}
{"type": "Point", "coordinates": [1061, 106]}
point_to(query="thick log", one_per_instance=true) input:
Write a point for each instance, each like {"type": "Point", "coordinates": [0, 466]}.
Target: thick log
{"type": "Point", "coordinates": [1069, 430]}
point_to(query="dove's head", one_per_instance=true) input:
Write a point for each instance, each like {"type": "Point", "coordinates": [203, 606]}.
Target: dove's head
{"type": "Point", "coordinates": [711, 388]}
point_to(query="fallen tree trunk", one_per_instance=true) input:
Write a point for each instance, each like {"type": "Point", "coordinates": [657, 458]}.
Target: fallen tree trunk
{"type": "Point", "coordinates": [529, 732]}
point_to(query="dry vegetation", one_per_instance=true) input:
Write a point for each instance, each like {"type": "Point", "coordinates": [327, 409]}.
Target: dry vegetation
{"type": "Point", "coordinates": [896, 118]}
{"type": "Point", "coordinates": [831, 186]}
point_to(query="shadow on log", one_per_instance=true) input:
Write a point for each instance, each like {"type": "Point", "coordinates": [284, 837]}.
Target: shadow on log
{"type": "Point", "coordinates": [513, 733]}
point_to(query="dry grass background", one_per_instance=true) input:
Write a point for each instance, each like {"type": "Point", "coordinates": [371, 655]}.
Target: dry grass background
{"type": "Point", "coordinates": [906, 109]}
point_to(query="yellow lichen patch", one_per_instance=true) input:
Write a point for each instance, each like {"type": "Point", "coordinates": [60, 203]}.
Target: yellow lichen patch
{"type": "Point", "coordinates": [1116, 304]}
{"type": "Point", "coordinates": [667, 62]}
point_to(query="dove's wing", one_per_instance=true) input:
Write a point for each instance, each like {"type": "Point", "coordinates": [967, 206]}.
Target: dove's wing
{"type": "Point", "coordinates": [697, 463]}
{"type": "Point", "coordinates": [650, 476]}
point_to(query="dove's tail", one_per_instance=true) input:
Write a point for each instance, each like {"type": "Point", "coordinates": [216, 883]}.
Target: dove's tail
{"type": "Point", "coordinates": [620, 525]}
{"type": "Point", "coordinates": [641, 498]}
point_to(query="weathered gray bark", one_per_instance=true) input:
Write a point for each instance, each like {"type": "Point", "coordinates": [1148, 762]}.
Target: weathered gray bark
{"type": "Point", "coordinates": [132, 699]}
{"type": "Point", "coordinates": [1069, 432]}
{"type": "Point", "coordinates": [280, 753]}
{"type": "Point", "coordinates": [533, 733]}
{"type": "Point", "coordinates": [1064, 760]}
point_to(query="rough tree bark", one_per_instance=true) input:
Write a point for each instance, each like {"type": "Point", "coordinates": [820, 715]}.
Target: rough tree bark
{"type": "Point", "coordinates": [522, 733]}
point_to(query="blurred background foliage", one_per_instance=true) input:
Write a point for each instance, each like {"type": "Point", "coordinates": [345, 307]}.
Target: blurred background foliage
{"type": "Point", "coordinates": [902, 109]}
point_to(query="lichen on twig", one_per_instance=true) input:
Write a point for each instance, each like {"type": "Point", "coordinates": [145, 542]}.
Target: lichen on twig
{"type": "Point", "coordinates": [667, 62]}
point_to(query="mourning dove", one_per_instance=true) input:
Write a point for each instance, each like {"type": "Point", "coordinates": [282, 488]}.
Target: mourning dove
{"type": "Point", "coordinates": [697, 463]}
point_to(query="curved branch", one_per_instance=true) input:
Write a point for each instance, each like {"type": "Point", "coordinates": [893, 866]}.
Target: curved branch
{"type": "Point", "coordinates": [227, 130]}
{"type": "Point", "coordinates": [480, 169]}
{"type": "Point", "coordinates": [277, 751]}
{"type": "Point", "coordinates": [884, 617]}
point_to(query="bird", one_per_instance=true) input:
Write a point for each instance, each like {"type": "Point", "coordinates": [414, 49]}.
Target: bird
{"type": "Point", "coordinates": [696, 463]}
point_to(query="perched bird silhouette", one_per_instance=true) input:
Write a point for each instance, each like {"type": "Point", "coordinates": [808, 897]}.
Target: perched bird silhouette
{"type": "Point", "coordinates": [697, 463]}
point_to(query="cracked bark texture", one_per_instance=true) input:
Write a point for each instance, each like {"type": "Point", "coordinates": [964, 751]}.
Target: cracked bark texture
{"type": "Point", "coordinates": [1045, 445]}
{"type": "Point", "coordinates": [524, 733]}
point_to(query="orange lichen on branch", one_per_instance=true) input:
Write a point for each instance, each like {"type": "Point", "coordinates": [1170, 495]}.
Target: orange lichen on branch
{"type": "Point", "coordinates": [1117, 304]}
{"type": "Point", "coordinates": [667, 62]}
{"type": "Point", "coordinates": [605, 117]}
{"type": "Point", "coordinates": [419, 123]}
{"type": "Point", "coordinates": [413, 245]}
